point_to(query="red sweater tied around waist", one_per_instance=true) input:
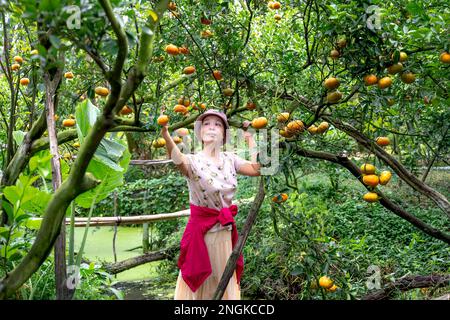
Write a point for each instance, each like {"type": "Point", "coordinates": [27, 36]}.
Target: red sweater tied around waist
{"type": "Point", "coordinates": [194, 260]}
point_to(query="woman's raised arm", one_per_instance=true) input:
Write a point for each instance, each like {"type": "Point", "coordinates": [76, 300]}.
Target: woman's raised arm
{"type": "Point", "coordinates": [250, 168]}
{"type": "Point", "coordinates": [178, 158]}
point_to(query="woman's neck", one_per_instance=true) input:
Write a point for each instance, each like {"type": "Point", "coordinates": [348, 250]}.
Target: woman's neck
{"type": "Point", "coordinates": [211, 150]}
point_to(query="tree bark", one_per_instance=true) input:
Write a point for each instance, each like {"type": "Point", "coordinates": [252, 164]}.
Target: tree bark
{"type": "Point", "coordinates": [13, 100]}
{"type": "Point", "coordinates": [408, 283]}
{"type": "Point", "coordinates": [343, 160]}
{"type": "Point", "coordinates": [401, 171]}
{"type": "Point", "coordinates": [145, 242]}
{"type": "Point", "coordinates": [115, 227]}
{"type": "Point", "coordinates": [52, 80]}
{"type": "Point", "coordinates": [121, 266]}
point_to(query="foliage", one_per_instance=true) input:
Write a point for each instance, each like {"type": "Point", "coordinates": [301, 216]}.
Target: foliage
{"type": "Point", "coordinates": [337, 236]}
{"type": "Point", "coordinates": [28, 202]}
{"type": "Point", "coordinates": [280, 65]}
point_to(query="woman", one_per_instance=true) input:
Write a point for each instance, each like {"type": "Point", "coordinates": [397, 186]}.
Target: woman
{"type": "Point", "coordinates": [211, 232]}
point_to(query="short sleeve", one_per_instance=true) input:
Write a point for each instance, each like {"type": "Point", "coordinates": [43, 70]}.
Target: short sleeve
{"type": "Point", "coordinates": [238, 161]}
{"type": "Point", "coordinates": [189, 162]}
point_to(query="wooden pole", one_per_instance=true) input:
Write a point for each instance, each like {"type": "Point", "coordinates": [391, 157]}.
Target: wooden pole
{"type": "Point", "coordinates": [115, 227]}
{"type": "Point", "coordinates": [145, 243]}
{"type": "Point", "coordinates": [112, 221]}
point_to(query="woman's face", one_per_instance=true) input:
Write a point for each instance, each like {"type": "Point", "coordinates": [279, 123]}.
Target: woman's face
{"type": "Point", "coordinates": [212, 130]}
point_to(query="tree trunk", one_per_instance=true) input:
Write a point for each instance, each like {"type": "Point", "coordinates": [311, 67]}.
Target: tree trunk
{"type": "Point", "coordinates": [132, 146]}
{"type": "Point", "coordinates": [52, 80]}
{"type": "Point", "coordinates": [115, 227]}
{"type": "Point", "coordinates": [13, 100]}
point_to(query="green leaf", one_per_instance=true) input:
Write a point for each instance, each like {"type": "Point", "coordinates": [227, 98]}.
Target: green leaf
{"type": "Point", "coordinates": [22, 216]}
{"type": "Point", "coordinates": [41, 162]}
{"type": "Point", "coordinates": [413, 8]}
{"type": "Point", "coordinates": [119, 294]}
{"type": "Point", "coordinates": [25, 197]}
{"type": "Point", "coordinates": [110, 46]}
{"type": "Point", "coordinates": [11, 193]}
{"type": "Point", "coordinates": [4, 231]}
{"type": "Point", "coordinates": [27, 180]}
{"type": "Point", "coordinates": [105, 160]}
{"type": "Point", "coordinates": [110, 179]}
{"type": "Point", "coordinates": [18, 136]}
{"type": "Point", "coordinates": [49, 5]}
{"type": "Point", "coordinates": [109, 153]}
{"type": "Point", "coordinates": [17, 234]}
{"type": "Point", "coordinates": [113, 149]}
{"type": "Point", "coordinates": [38, 203]}
{"type": "Point", "coordinates": [33, 223]}
{"type": "Point", "coordinates": [55, 41]}
{"type": "Point", "coordinates": [8, 207]}
{"type": "Point", "coordinates": [86, 114]}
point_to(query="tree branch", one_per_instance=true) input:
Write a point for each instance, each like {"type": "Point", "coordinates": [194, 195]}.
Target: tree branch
{"type": "Point", "coordinates": [232, 260]}
{"type": "Point", "coordinates": [408, 283]}
{"type": "Point", "coordinates": [384, 201]}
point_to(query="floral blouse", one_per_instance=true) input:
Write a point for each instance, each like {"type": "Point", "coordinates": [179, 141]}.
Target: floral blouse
{"type": "Point", "coordinates": [210, 184]}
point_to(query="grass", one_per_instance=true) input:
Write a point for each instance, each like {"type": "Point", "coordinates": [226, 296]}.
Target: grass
{"type": "Point", "coordinates": [365, 234]}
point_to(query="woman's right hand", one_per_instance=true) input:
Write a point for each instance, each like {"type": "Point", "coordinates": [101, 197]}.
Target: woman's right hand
{"type": "Point", "coordinates": [165, 131]}
{"type": "Point", "coordinates": [174, 153]}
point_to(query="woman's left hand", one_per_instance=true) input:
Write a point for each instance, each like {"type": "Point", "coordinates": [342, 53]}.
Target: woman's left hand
{"type": "Point", "coordinates": [248, 135]}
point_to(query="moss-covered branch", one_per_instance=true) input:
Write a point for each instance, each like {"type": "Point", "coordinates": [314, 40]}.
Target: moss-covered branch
{"type": "Point", "coordinates": [48, 232]}
{"type": "Point", "coordinates": [138, 72]}
{"type": "Point", "coordinates": [384, 200]}
{"type": "Point", "coordinates": [113, 76]}
{"type": "Point", "coordinates": [63, 137]}
{"type": "Point", "coordinates": [78, 181]}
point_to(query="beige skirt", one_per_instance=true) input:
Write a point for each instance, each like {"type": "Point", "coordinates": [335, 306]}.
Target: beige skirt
{"type": "Point", "coordinates": [219, 249]}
